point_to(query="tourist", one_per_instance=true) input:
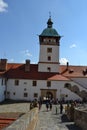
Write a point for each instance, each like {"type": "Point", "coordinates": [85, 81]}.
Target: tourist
{"type": "Point", "coordinates": [50, 106]}
{"type": "Point", "coordinates": [47, 105]}
{"type": "Point", "coordinates": [31, 105]}
{"type": "Point", "coordinates": [39, 104]}
{"type": "Point", "coordinates": [61, 108]}
{"type": "Point", "coordinates": [56, 109]}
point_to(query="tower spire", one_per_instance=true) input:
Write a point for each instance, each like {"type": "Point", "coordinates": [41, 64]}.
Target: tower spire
{"type": "Point", "coordinates": [49, 22]}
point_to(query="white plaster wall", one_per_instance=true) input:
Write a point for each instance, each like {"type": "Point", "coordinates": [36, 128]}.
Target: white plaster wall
{"type": "Point", "coordinates": [43, 57]}
{"type": "Point", "coordinates": [43, 67]}
{"type": "Point", "coordinates": [2, 89]}
{"type": "Point", "coordinates": [19, 90]}
{"type": "Point", "coordinates": [41, 84]}
{"type": "Point", "coordinates": [59, 85]}
{"type": "Point", "coordinates": [43, 53]}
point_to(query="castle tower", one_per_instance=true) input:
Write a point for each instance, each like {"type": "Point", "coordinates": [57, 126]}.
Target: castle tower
{"type": "Point", "coordinates": [49, 49]}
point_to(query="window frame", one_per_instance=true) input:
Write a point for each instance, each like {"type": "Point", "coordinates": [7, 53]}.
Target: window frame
{"type": "Point", "coordinates": [25, 94]}
{"type": "Point", "coordinates": [35, 95]}
{"type": "Point", "coordinates": [48, 83]}
{"type": "Point", "coordinates": [16, 82]}
{"type": "Point", "coordinates": [34, 83]}
{"type": "Point", "coordinates": [49, 50]}
{"type": "Point", "coordinates": [49, 58]}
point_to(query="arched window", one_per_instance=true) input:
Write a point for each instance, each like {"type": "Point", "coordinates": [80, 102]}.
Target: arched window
{"type": "Point", "coordinates": [67, 85]}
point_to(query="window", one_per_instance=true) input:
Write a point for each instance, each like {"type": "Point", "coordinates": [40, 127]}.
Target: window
{"type": "Point", "coordinates": [34, 83]}
{"type": "Point", "coordinates": [16, 82]}
{"type": "Point", "coordinates": [49, 69]}
{"type": "Point", "coordinates": [48, 83]}
{"type": "Point", "coordinates": [35, 94]}
{"type": "Point", "coordinates": [25, 89]}
{"type": "Point", "coordinates": [8, 93]}
{"type": "Point", "coordinates": [25, 94]}
{"type": "Point", "coordinates": [49, 50]}
{"type": "Point", "coordinates": [25, 82]}
{"type": "Point", "coordinates": [44, 40]}
{"type": "Point", "coordinates": [67, 85]}
{"type": "Point", "coordinates": [66, 95]}
{"type": "Point", "coordinates": [49, 58]}
{"type": "Point", "coordinates": [13, 93]}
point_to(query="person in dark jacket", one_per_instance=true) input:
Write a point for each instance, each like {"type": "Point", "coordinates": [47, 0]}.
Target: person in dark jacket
{"type": "Point", "coordinates": [47, 105]}
{"type": "Point", "coordinates": [61, 108]}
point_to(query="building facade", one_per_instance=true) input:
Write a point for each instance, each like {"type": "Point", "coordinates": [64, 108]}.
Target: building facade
{"type": "Point", "coordinates": [47, 79]}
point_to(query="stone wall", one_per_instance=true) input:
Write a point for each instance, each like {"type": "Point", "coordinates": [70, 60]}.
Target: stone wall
{"type": "Point", "coordinates": [28, 121]}
{"type": "Point", "coordinates": [80, 117]}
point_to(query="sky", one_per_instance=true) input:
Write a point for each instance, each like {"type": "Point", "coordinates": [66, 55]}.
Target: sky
{"type": "Point", "coordinates": [21, 21]}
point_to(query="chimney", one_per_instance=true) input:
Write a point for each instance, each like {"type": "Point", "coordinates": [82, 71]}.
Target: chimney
{"type": "Point", "coordinates": [3, 64]}
{"type": "Point", "coordinates": [67, 65]}
{"type": "Point", "coordinates": [27, 66]}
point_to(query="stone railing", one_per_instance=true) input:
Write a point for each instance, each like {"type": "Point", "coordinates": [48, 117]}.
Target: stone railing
{"type": "Point", "coordinates": [80, 117]}
{"type": "Point", "coordinates": [78, 114]}
{"type": "Point", "coordinates": [28, 121]}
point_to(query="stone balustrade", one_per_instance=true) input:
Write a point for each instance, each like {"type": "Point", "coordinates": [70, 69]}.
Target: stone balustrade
{"type": "Point", "coordinates": [28, 121]}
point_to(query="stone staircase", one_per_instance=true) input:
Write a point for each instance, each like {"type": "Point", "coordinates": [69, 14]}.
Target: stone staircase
{"type": "Point", "coordinates": [75, 89]}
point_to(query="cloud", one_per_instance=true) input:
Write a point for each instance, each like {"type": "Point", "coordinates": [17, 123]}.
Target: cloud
{"type": "Point", "coordinates": [63, 61]}
{"type": "Point", "coordinates": [3, 6]}
{"type": "Point", "coordinates": [26, 53]}
{"type": "Point", "coordinates": [73, 46]}
{"type": "Point", "coordinates": [11, 60]}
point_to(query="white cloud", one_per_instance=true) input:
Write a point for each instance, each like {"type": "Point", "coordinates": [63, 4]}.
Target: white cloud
{"type": "Point", "coordinates": [26, 53]}
{"type": "Point", "coordinates": [3, 6]}
{"type": "Point", "coordinates": [63, 61]}
{"type": "Point", "coordinates": [73, 46]}
{"type": "Point", "coordinates": [11, 60]}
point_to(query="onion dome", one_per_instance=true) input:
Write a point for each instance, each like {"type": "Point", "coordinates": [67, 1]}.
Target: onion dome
{"type": "Point", "coordinates": [50, 31]}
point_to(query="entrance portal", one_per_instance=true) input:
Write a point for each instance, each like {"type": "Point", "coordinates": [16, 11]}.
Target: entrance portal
{"type": "Point", "coordinates": [49, 95]}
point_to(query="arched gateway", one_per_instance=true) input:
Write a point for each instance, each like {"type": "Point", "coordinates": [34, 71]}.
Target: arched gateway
{"type": "Point", "coordinates": [48, 93]}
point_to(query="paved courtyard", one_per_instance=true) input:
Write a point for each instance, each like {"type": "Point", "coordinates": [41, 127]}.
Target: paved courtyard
{"type": "Point", "coordinates": [11, 111]}
{"type": "Point", "coordinates": [14, 107]}
{"type": "Point", "coordinates": [47, 120]}
{"type": "Point", "coordinates": [52, 121]}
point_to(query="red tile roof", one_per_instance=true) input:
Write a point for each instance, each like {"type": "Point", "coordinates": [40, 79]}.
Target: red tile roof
{"type": "Point", "coordinates": [17, 71]}
{"type": "Point", "coordinates": [58, 77]}
{"type": "Point", "coordinates": [73, 71]}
